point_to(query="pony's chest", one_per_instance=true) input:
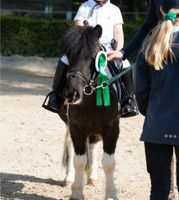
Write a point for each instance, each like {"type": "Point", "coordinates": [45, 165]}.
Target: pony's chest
{"type": "Point", "coordinates": [92, 116]}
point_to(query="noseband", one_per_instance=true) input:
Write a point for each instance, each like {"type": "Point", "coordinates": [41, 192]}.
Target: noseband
{"type": "Point", "coordinates": [89, 83]}
{"type": "Point", "coordinates": [77, 73]}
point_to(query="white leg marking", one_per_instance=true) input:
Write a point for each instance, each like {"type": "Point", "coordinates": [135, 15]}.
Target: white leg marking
{"type": "Point", "coordinates": [70, 171]}
{"type": "Point", "coordinates": [93, 166]}
{"type": "Point", "coordinates": [108, 163]}
{"type": "Point", "coordinates": [77, 187]}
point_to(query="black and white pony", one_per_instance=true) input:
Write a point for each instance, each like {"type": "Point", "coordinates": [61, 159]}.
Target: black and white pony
{"type": "Point", "coordinates": [89, 118]}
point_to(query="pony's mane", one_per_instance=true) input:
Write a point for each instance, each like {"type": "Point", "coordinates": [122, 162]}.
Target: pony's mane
{"type": "Point", "coordinates": [79, 42]}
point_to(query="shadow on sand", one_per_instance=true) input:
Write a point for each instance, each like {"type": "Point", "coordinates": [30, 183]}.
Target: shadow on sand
{"type": "Point", "coordinates": [24, 82]}
{"type": "Point", "coordinates": [11, 187]}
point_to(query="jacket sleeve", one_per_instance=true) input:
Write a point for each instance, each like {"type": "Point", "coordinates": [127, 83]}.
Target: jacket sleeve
{"type": "Point", "coordinates": [150, 21]}
{"type": "Point", "coordinates": [142, 83]}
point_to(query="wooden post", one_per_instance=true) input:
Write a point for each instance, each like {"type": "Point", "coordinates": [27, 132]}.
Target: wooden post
{"type": "Point", "coordinates": [48, 7]}
{"type": "Point", "coordinates": [69, 10]}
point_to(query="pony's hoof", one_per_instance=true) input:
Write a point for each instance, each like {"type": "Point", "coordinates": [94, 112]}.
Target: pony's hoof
{"type": "Point", "coordinates": [92, 182]}
{"type": "Point", "coordinates": [77, 195]}
{"type": "Point", "coordinates": [111, 198]}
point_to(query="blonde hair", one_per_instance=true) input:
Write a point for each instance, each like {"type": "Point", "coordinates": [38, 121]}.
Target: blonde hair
{"type": "Point", "coordinates": [157, 45]}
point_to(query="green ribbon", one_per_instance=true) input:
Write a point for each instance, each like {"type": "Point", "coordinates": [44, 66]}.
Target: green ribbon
{"type": "Point", "coordinates": [171, 16]}
{"type": "Point", "coordinates": [103, 94]}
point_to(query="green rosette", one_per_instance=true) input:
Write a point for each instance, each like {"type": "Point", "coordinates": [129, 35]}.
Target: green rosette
{"type": "Point", "coordinates": [103, 94]}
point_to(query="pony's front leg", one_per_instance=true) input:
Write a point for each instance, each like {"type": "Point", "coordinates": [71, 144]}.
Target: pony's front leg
{"type": "Point", "coordinates": [108, 163]}
{"type": "Point", "coordinates": [80, 159]}
{"type": "Point", "coordinates": [77, 187]}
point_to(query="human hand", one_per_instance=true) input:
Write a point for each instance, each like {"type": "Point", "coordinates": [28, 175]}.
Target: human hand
{"type": "Point", "coordinates": [114, 55]}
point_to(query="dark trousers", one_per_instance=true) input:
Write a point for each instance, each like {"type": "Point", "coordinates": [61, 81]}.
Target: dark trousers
{"type": "Point", "coordinates": [158, 158]}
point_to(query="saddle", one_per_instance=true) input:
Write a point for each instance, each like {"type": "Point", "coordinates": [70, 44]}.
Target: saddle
{"type": "Point", "coordinates": [112, 70]}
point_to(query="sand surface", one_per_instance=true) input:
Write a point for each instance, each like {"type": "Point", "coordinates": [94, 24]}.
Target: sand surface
{"type": "Point", "coordinates": [31, 140]}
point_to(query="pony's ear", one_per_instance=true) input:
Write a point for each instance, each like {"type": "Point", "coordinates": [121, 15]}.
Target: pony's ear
{"type": "Point", "coordinates": [98, 30]}
{"type": "Point", "coordinates": [68, 24]}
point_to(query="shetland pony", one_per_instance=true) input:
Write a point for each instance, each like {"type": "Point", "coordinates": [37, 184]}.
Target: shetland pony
{"type": "Point", "coordinates": [87, 123]}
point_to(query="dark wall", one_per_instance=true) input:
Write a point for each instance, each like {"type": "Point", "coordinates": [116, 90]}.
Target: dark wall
{"type": "Point", "coordinates": [63, 5]}
{"type": "Point", "coordinates": [34, 4]}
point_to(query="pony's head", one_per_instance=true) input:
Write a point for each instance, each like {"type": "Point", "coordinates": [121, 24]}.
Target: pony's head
{"type": "Point", "coordinates": [80, 44]}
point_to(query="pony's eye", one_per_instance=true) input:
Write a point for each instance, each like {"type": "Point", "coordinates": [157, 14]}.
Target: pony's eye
{"type": "Point", "coordinates": [73, 76]}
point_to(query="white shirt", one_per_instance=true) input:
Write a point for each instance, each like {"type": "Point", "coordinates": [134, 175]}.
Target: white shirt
{"type": "Point", "coordinates": [175, 29]}
{"type": "Point", "coordinates": [107, 16]}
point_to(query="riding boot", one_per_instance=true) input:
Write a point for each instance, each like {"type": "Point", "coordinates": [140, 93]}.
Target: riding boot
{"type": "Point", "coordinates": [55, 97]}
{"type": "Point", "coordinates": [128, 105]}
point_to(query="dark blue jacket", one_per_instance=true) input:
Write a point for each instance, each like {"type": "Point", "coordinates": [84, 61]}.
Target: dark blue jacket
{"type": "Point", "coordinates": [157, 94]}
{"type": "Point", "coordinates": [151, 20]}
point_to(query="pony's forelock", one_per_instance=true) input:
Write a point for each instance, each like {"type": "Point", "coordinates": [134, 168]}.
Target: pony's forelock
{"type": "Point", "coordinates": [79, 42]}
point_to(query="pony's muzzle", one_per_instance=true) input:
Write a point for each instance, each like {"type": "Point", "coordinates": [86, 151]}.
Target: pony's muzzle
{"type": "Point", "coordinates": [74, 87]}
{"type": "Point", "coordinates": [72, 97]}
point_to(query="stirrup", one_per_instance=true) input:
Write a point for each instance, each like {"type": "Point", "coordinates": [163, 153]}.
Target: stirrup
{"type": "Point", "coordinates": [129, 113]}
{"type": "Point", "coordinates": [129, 110]}
{"type": "Point", "coordinates": [44, 105]}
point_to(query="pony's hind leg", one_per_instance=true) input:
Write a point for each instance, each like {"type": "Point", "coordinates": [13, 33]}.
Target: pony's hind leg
{"type": "Point", "coordinates": [68, 155]}
{"type": "Point", "coordinates": [92, 163]}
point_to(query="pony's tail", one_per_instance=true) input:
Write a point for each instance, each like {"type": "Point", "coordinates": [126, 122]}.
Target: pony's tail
{"type": "Point", "coordinates": [88, 155]}
{"type": "Point", "coordinates": [65, 149]}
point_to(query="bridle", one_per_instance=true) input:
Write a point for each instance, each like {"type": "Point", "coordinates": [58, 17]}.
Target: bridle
{"type": "Point", "coordinates": [89, 86]}
{"type": "Point", "coordinates": [76, 73]}
{"type": "Point", "coordinates": [89, 83]}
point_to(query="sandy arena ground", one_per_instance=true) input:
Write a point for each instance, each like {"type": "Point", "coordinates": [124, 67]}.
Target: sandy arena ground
{"type": "Point", "coordinates": [31, 140]}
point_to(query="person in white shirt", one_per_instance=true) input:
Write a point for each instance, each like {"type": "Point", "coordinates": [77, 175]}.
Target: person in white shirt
{"type": "Point", "coordinates": [106, 14]}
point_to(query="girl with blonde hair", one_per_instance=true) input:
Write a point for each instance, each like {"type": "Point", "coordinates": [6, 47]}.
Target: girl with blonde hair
{"type": "Point", "coordinates": [157, 46]}
{"type": "Point", "coordinates": [157, 93]}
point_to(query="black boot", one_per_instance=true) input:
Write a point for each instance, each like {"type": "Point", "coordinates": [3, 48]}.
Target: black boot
{"type": "Point", "coordinates": [54, 99]}
{"type": "Point", "coordinates": [128, 104]}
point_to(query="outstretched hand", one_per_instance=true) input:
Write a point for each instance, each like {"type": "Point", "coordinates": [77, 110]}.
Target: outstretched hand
{"type": "Point", "coordinates": [114, 55]}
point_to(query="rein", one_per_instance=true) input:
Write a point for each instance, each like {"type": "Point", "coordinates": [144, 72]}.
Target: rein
{"type": "Point", "coordinates": [89, 87]}
{"type": "Point", "coordinates": [113, 79]}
